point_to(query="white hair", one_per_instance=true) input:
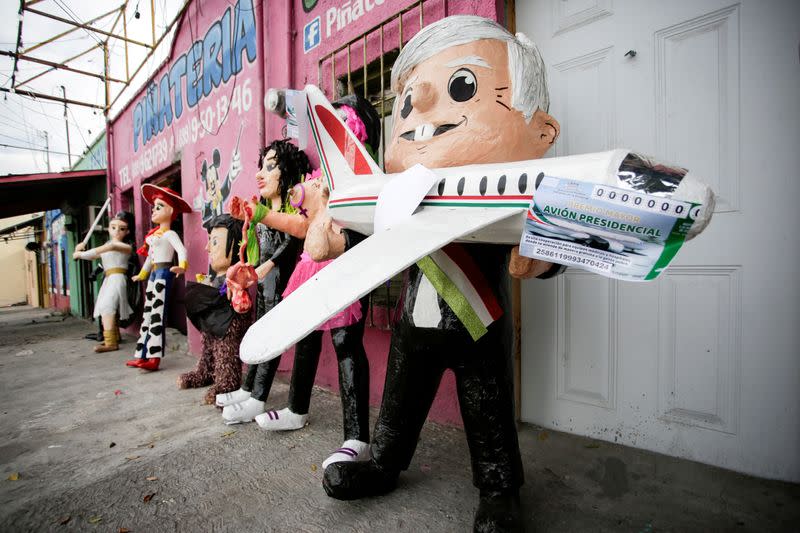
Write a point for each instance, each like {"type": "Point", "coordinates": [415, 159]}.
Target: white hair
{"type": "Point", "coordinates": [525, 64]}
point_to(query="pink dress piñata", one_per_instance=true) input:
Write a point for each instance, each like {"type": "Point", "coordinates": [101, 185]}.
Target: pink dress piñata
{"type": "Point", "coordinates": [307, 268]}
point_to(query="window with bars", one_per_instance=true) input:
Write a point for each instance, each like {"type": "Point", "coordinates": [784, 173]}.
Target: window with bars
{"type": "Point", "coordinates": [363, 66]}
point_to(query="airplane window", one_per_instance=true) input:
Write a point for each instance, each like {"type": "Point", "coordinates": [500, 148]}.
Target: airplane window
{"type": "Point", "coordinates": [461, 186]}
{"type": "Point", "coordinates": [484, 181]}
{"type": "Point", "coordinates": [441, 187]}
{"type": "Point", "coordinates": [501, 185]}
{"type": "Point", "coordinates": [523, 183]}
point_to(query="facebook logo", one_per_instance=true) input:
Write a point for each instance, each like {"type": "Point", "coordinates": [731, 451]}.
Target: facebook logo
{"type": "Point", "coordinates": [311, 35]}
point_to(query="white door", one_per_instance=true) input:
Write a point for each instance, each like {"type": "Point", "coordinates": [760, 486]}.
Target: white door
{"type": "Point", "coordinates": [703, 363]}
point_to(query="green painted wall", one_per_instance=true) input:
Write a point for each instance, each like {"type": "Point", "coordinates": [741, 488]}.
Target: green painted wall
{"type": "Point", "coordinates": [79, 223]}
{"type": "Point", "coordinates": [74, 299]}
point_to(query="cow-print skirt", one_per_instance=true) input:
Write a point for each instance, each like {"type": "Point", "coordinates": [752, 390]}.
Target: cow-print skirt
{"type": "Point", "coordinates": [151, 334]}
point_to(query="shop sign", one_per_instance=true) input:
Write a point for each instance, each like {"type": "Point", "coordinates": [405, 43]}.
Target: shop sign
{"type": "Point", "coordinates": [208, 63]}
{"type": "Point", "coordinates": [339, 18]}
{"type": "Point", "coordinates": [312, 35]}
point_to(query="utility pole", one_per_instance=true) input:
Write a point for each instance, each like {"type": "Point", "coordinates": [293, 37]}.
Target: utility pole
{"type": "Point", "coordinates": [66, 125]}
{"type": "Point", "coordinates": [47, 149]}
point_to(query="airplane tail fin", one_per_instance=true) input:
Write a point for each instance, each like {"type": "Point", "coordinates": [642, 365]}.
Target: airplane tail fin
{"type": "Point", "coordinates": [342, 156]}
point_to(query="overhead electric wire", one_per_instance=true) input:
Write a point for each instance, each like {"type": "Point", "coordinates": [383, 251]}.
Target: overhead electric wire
{"type": "Point", "coordinates": [59, 116]}
{"type": "Point", "coordinates": [52, 131]}
{"type": "Point", "coordinates": [71, 14]}
{"type": "Point", "coordinates": [19, 127]}
{"type": "Point", "coordinates": [31, 148]}
{"type": "Point", "coordinates": [15, 138]}
{"type": "Point", "coordinates": [61, 40]}
{"type": "Point", "coordinates": [14, 122]}
{"type": "Point", "coordinates": [27, 128]}
{"type": "Point", "coordinates": [88, 148]}
{"type": "Point", "coordinates": [53, 128]}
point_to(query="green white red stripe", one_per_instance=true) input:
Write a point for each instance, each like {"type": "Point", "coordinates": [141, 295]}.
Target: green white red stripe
{"type": "Point", "coordinates": [326, 170]}
{"type": "Point", "coordinates": [457, 279]}
{"type": "Point", "coordinates": [513, 201]}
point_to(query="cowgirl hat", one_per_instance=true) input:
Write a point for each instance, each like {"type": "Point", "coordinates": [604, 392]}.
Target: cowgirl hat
{"type": "Point", "coordinates": [152, 193]}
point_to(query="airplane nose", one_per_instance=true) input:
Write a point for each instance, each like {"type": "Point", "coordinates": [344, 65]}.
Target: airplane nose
{"type": "Point", "coordinates": [423, 96]}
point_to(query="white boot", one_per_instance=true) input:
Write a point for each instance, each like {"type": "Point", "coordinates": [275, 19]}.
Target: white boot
{"type": "Point", "coordinates": [245, 411]}
{"type": "Point", "coordinates": [230, 398]}
{"type": "Point", "coordinates": [351, 450]}
{"type": "Point", "coordinates": [283, 420]}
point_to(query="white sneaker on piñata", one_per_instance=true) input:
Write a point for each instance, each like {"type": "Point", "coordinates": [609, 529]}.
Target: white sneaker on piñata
{"type": "Point", "coordinates": [283, 420]}
{"type": "Point", "coordinates": [351, 450]}
{"type": "Point", "coordinates": [230, 398]}
{"type": "Point", "coordinates": [245, 411]}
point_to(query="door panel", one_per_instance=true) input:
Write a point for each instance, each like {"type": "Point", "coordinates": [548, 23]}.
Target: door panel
{"type": "Point", "coordinates": [587, 341]}
{"type": "Point", "coordinates": [590, 114]}
{"type": "Point", "coordinates": [697, 75]}
{"type": "Point", "coordinates": [698, 358]}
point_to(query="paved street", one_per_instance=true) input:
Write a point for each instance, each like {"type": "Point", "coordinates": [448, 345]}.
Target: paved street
{"type": "Point", "coordinates": [87, 444]}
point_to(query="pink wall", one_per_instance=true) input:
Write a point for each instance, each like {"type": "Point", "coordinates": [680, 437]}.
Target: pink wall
{"type": "Point", "coordinates": [339, 25]}
{"type": "Point", "coordinates": [59, 302]}
{"type": "Point", "coordinates": [166, 127]}
{"type": "Point", "coordinates": [143, 145]}
{"type": "Point", "coordinates": [342, 21]}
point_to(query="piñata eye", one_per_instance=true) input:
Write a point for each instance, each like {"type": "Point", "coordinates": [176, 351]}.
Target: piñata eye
{"type": "Point", "coordinates": [462, 85]}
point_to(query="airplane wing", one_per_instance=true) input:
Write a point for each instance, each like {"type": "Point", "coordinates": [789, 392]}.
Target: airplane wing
{"type": "Point", "coordinates": [357, 272]}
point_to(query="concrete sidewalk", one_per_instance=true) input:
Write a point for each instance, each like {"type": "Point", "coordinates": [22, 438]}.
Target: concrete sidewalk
{"type": "Point", "coordinates": [87, 444]}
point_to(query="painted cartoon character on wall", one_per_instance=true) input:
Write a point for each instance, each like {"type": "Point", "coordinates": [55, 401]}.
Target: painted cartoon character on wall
{"type": "Point", "coordinates": [209, 309]}
{"type": "Point", "coordinates": [468, 92]}
{"type": "Point", "coordinates": [160, 246]}
{"type": "Point", "coordinates": [211, 200]}
{"type": "Point", "coordinates": [347, 327]}
{"type": "Point", "coordinates": [281, 166]}
{"type": "Point", "coordinates": [112, 300]}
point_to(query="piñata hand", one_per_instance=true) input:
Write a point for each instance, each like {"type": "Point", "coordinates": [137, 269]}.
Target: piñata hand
{"type": "Point", "coordinates": [239, 278]}
{"type": "Point", "coordinates": [522, 267]}
{"type": "Point", "coordinates": [236, 208]}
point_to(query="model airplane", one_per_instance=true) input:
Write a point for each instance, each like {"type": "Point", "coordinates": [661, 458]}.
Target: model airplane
{"type": "Point", "coordinates": [415, 213]}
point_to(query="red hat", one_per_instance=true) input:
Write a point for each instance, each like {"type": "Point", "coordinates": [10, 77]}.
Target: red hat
{"type": "Point", "coordinates": [152, 192]}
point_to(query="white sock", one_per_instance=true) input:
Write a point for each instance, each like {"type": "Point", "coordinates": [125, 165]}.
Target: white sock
{"type": "Point", "coordinates": [283, 420]}
{"type": "Point", "coordinates": [245, 411]}
{"type": "Point", "coordinates": [230, 398]}
{"type": "Point", "coordinates": [351, 450]}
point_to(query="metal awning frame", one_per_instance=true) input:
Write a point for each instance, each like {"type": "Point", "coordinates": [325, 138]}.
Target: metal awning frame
{"type": "Point", "coordinates": [24, 53]}
{"type": "Point", "coordinates": [8, 233]}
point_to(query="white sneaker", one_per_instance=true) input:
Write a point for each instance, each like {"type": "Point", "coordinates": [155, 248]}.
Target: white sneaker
{"type": "Point", "coordinates": [283, 420]}
{"type": "Point", "coordinates": [351, 450]}
{"type": "Point", "coordinates": [245, 411]}
{"type": "Point", "coordinates": [230, 398]}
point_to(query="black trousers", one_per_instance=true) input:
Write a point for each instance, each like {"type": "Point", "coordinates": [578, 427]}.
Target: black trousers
{"type": "Point", "coordinates": [417, 359]}
{"type": "Point", "coordinates": [259, 378]}
{"type": "Point", "coordinates": [348, 343]}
